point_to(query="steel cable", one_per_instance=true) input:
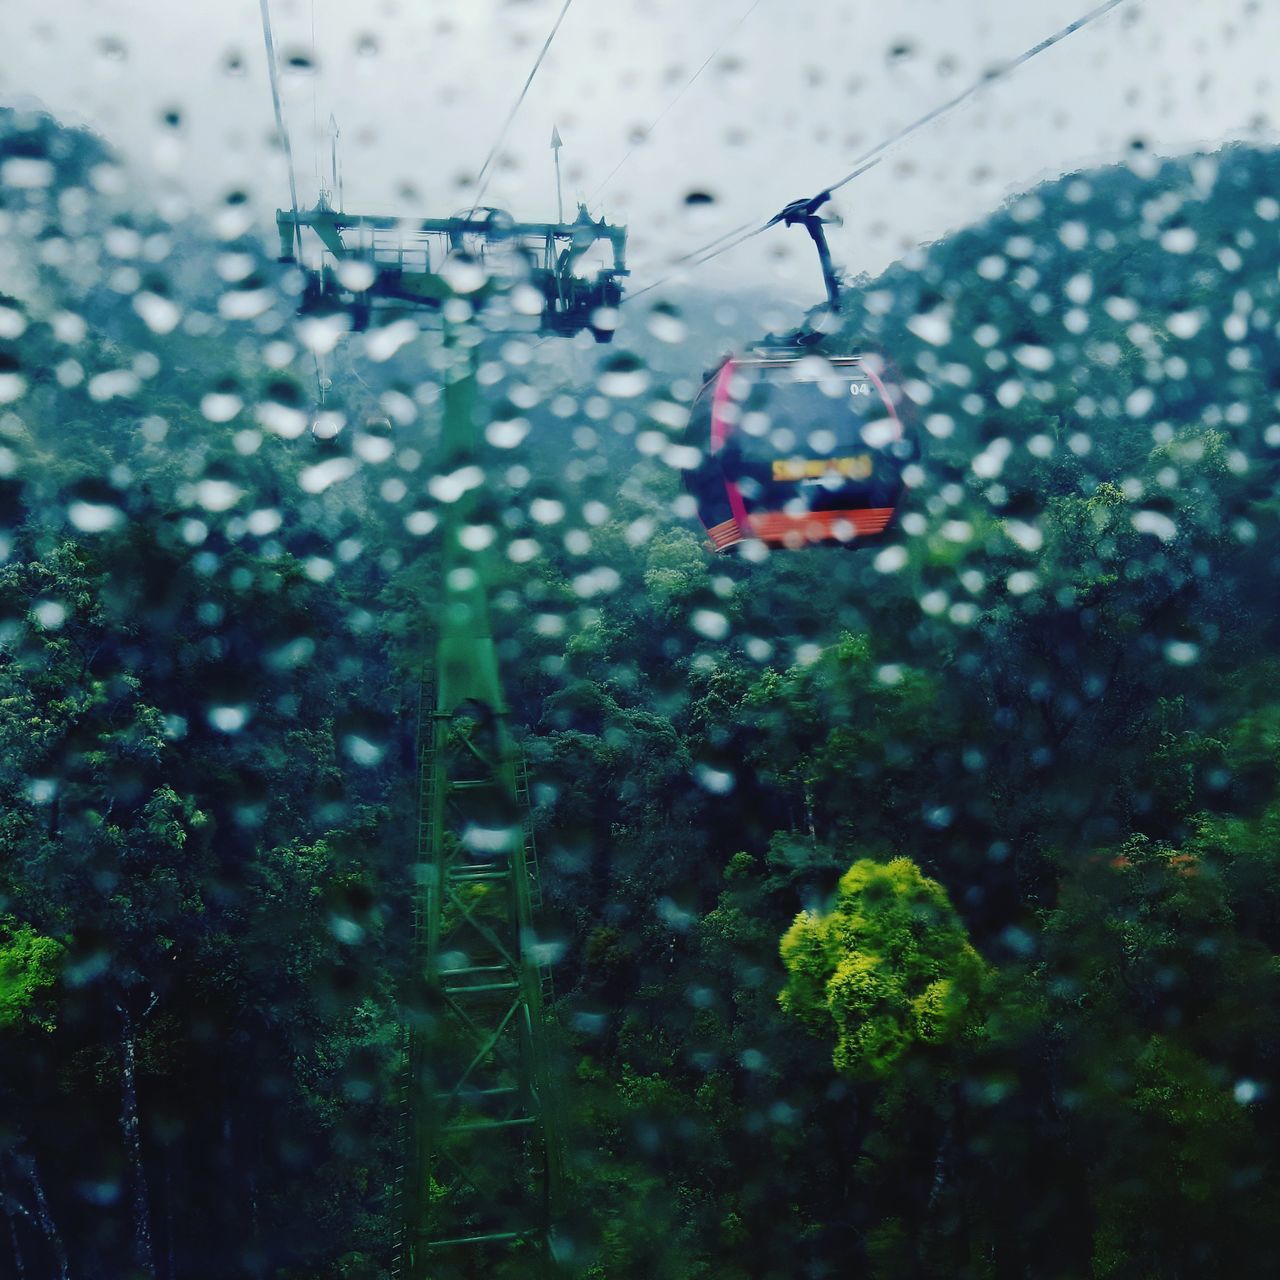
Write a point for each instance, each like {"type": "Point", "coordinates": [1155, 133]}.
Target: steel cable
{"type": "Point", "coordinates": [281, 128]}
{"type": "Point", "coordinates": [482, 180]}
{"type": "Point", "coordinates": [872, 157]}
{"type": "Point", "coordinates": [688, 84]}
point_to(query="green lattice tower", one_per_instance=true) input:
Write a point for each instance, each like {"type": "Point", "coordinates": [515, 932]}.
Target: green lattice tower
{"type": "Point", "coordinates": [483, 1166]}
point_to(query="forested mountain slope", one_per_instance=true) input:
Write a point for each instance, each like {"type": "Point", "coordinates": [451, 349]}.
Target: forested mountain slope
{"type": "Point", "coordinates": [1017, 765]}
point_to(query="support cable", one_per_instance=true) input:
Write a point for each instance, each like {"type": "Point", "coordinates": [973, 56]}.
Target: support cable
{"type": "Point", "coordinates": [995, 74]}
{"type": "Point", "coordinates": [282, 130]}
{"type": "Point", "coordinates": [315, 95]}
{"type": "Point", "coordinates": [709, 250]}
{"type": "Point", "coordinates": [872, 157]}
{"type": "Point", "coordinates": [698, 256]}
{"type": "Point", "coordinates": [688, 84]}
{"type": "Point", "coordinates": [482, 179]}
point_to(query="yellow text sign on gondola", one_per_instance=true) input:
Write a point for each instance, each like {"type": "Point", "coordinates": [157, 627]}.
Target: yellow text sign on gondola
{"type": "Point", "coordinates": [855, 468]}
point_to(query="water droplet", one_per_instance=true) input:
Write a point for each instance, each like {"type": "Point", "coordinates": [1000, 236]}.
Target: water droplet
{"type": "Point", "coordinates": [720, 782]}
{"type": "Point", "coordinates": [50, 614]}
{"type": "Point", "coordinates": [373, 448]}
{"type": "Point", "coordinates": [463, 274]}
{"type": "Point", "coordinates": [1122, 310]}
{"type": "Point", "coordinates": [318, 478]}
{"type": "Point", "coordinates": [264, 521]}
{"type": "Point", "coordinates": [665, 324]}
{"type": "Point", "coordinates": [507, 434]}
{"type": "Point", "coordinates": [228, 719]}
{"type": "Point", "coordinates": [476, 537]}
{"type": "Point", "coordinates": [327, 424]}
{"type": "Point", "coordinates": [599, 581]}
{"type": "Point", "coordinates": [42, 790]}
{"type": "Point", "coordinates": [358, 275]}
{"type": "Point", "coordinates": [527, 301]}
{"type": "Point", "coordinates": [1247, 1091]}
{"type": "Point", "coordinates": [321, 333]}
{"type": "Point", "coordinates": [482, 840]}
{"type": "Point", "coordinates": [13, 323]}
{"type": "Point", "coordinates": [382, 343]}
{"type": "Point", "coordinates": [1036, 358]}
{"type": "Point", "coordinates": [623, 377]}
{"type": "Point", "coordinates": [1156, 523]}
{"type": "Point", "coordinates": [94, 517]}
{"type": "Point", "coordinates": [933, 326]}
{"type": "Point", "coordinates": [675, 916]}
{"type": "Point", "coordinates": [1027, 536]}
{"type": "Point", "coordinates": [891, 559]}
{"type": "Point", "coordinates": [1010, 393]}
{"type": "Point", "coordinates": [1074, 235]}
{"type": "Point", "coordinates": [220, 406]}
{"type": "Point", "coordinates": [990, 462]}
{"type": "Point", "coordinates": [546, 510]}
{"type": "Point", "coordinates": [281, 420]}
{"type": "Point", "coordinates": [1139, 402]}
{"type": "Point", "coordinates": [159, 314]}
{"type": "Point", "coordinates": [114, 384]}
{"type": "Point", "coordinates": [451, 487]}
{"type": "Point", "coordinates": [420, 523]}
{"type": "Point", "coordinates": [879, 433]}
{"type": "Point", "coordinates": [1079, 288]}
{"type": "Point", "coordinates": [345, 930]}
{"type": "Point", "coordinates": [293, 654]}
{"type": "Point", "coordinates": [1178, 240]}
{"type": "Point", "coordinates": [218, 495]}
{"type": "Point", "coordinates": [27, 173]}
{"type": "Point", "coordinates": [710, 623]}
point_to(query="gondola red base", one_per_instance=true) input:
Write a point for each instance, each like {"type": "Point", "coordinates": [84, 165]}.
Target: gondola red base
{"type": "Point", "coordinates": [811, 528]}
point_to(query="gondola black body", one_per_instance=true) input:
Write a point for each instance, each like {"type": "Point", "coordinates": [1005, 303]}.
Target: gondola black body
{"type": "Point", "coordinates": [798, 451]}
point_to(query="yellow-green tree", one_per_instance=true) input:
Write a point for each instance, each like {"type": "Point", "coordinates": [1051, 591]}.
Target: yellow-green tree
{"type": "Point", "coordinates": [888, 970]}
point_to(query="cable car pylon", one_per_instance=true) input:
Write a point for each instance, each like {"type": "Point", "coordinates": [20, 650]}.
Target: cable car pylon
{"type": "Point", "coordinates": [483, 1168]}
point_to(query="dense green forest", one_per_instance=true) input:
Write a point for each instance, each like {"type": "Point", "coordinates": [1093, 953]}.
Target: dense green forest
{"type": "Point", "coordinates": [917, 908]}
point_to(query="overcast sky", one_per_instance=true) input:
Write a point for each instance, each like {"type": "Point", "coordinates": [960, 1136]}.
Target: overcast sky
{"type": "Point", "coordinates": [420, 89]}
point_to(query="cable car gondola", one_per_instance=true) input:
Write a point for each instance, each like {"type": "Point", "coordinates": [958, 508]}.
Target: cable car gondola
{"type": "Point", "coordinates": [797, 450]}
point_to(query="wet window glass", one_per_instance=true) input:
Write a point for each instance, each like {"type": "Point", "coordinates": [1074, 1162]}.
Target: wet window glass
{"type": "Point", "coordinates": [638, 640]}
